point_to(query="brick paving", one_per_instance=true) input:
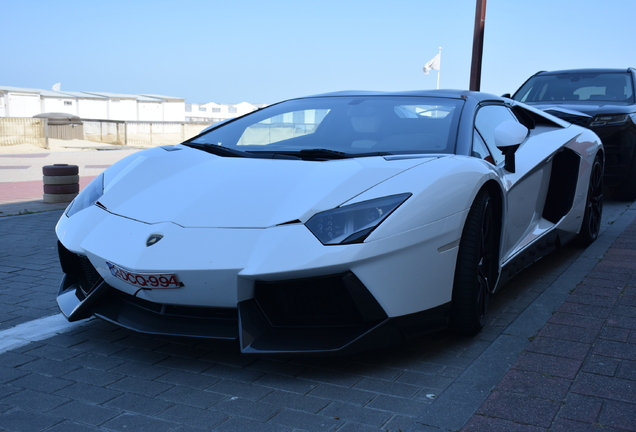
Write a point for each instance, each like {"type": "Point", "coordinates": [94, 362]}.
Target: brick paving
{"type": "Point", "coordinates": [27, 197]}
{"type": "Point", "coordinates": [557, 354]}
{"type": "Point", "coordinates": [579, 372]}
{"type": "Point", "coordinates": [21, 185]}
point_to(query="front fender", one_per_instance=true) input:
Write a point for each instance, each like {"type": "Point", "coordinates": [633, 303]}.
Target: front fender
{"type": "Point", "coordinates": [441, 188]}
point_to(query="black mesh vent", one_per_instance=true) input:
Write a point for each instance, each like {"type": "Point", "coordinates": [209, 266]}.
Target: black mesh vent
{"type": "Point", "coordinates": [90, 274]}
{"type": "Point", "coordinates": [322, 301]}
{"type": "Point", "coordinates": [79, 268]}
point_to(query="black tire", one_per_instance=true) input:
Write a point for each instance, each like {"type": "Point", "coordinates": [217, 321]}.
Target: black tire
{"type": "Point", "coordinates": [60, 170]}
{"type": "Point", "coordinates": [476, 271]}
{"type": "Point", "coordinates": [591, 226]}
{"type": "Point", "coordinates": [61, 188]}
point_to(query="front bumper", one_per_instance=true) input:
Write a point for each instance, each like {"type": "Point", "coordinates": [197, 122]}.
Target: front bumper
{"type": "Point", "coordinates": [235, 282]}
{"type": "Point", "coordinates": [619, 143]}
{"type": "Point", "coordinates": [329, 314]}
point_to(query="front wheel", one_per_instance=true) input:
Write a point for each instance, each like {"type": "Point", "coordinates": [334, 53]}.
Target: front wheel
{"type": "Point", "coordinates": [476, 270]}
{"type": "Point", "coordinates": [591, 226]}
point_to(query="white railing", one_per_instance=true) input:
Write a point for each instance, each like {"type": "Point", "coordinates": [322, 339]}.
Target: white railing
{"type": "Point", "coordinates": [36, 131]}
{"type": "Point", "coordinates": [19, 130]}
{"type": "Point", "coordinates": [140, 134]}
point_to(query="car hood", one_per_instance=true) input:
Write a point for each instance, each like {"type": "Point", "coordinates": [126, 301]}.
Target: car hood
{"type": "Point", "coordinates": [193, 188]}
{"type": "Point", "coordinates": [586, 109]}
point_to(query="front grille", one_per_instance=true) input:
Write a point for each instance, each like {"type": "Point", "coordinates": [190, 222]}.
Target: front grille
{"type": "Point", "coordinates": [571, 118]}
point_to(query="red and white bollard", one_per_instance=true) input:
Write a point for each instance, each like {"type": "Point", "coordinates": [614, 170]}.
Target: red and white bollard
{"type": "Point", "coordinates": [61, 183]}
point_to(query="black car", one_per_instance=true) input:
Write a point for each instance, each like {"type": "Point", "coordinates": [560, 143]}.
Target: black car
{"type": "Point", "coordinates": [600, 99]}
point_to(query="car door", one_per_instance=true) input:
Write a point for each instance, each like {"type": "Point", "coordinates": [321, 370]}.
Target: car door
{"type": "Point", "coordinates": [526, 189]}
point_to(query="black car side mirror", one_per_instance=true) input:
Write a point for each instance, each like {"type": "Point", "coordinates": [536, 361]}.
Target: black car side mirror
{"type": "Point", "coordinates": [510, 161]}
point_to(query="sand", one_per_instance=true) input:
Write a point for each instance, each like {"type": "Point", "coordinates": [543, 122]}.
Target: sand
{"type": "Point", "coordinates": [58, 145]}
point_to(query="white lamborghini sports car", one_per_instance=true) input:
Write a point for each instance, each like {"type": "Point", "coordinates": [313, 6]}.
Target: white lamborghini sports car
{"type": "Point", "coordinates": [332, 223]}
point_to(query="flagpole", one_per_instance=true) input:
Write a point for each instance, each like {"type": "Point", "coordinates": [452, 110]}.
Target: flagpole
{"type": "Point", "coordinates": [439, 71]}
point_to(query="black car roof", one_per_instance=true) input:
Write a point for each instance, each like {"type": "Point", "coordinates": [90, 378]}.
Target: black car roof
{"type": "Point", "coordinates": [447, 93]}
{"type": "Point", "coordinates": [587, 70]}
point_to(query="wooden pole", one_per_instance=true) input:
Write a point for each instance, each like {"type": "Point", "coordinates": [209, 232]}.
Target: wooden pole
{"type": "Point", "coordinates": [478, 45]}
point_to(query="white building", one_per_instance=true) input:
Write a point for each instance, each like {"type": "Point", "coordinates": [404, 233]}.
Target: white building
{"type": "Point", "coordinates": [119, 106]}
{"type": "Point", "coordinates": [25, 102]}
{"type": "Point", "coordinates": [215, 112]}
{"type": "Point", "coordinates": [19, 102]}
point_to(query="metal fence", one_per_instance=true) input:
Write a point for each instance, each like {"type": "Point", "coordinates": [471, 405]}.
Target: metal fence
{"type": "Point", "coordinates": [66, 132]}
{"type": "Point", "coordinates": [37, 131]}
{"type": "Point", "coordinates": [140, 134]}
{"type": "Point", "coordinates": [18, 130]}
{"type": "Point", "coordinates": [105, 131]}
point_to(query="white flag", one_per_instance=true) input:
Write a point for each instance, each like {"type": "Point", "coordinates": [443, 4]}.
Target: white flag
{"type": "Point", "coordinates": [56, 87]}
{"type": "Point", "coordinates": [432, 64]}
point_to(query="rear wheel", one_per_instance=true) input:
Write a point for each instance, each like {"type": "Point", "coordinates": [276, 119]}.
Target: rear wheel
{"type": "Point", "coordinates": [476, 269]}
{"type": "Point", "coordinates": [591, 225]}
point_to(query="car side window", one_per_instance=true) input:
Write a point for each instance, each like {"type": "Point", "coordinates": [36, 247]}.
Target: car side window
{"type": "Point", "coordinates": [487, 119]}
{"type": "Point", "coordinates": [480, 150]}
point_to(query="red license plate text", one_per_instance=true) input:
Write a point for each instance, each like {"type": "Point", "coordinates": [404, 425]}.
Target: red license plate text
{"type": "Point", "coordinates": [144, 280]}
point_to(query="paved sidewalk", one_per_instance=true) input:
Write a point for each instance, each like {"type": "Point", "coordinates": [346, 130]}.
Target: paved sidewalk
{"type": "Point", "coordinates": [558, 353]}
{"type": "Point", "coordinates": [21, 185]}
{"type": "Point", "coordinates": [579, 372]}
{"type": "Point", "coordinates": [25, 197]}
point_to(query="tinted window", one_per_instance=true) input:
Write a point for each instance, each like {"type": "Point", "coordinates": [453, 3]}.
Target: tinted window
{"type": "Point", "coordinates": [487, 120]}
{"type": "Point", "coordinates": [480, 150]}
{"type": "Point", "coordinates": [571, 87]}
{"type": "Point", "coordinates": [346, 124]}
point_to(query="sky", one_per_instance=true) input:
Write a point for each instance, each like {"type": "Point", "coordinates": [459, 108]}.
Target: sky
{"type": "Point", "coordinates": [264, 51]}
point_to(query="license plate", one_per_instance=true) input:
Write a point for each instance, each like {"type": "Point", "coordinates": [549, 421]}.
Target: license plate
{"type": "Point", "coordinates": [145, 280]}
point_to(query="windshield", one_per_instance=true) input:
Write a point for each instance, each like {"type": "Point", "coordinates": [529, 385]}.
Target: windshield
{"type": "Point", "coordinates": [349, 126]}
{"type": "Point", "coordinates": [614, 87]}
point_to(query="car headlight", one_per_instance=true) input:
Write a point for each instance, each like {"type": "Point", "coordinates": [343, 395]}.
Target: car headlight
{"type": "Point", "coordinates": [608, 120]}
{"type": "Point", "coordinates": [353, 223]}
{"type": "Point", "coordinates": [88, 196]}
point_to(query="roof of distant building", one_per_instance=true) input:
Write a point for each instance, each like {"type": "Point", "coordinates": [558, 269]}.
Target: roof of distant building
{"type": "Point", "coordinates": [91, 95]}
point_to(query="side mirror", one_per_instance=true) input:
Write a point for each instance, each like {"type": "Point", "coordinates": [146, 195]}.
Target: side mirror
{"type": "Point", "coordinates": [506, 95]}
{"type": "Point", "coordinates": [509, 135]}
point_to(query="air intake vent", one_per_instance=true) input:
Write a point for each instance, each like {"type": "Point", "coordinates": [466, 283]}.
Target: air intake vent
{"type": "Point", "coordinates": [79, 268]}
{"type": "Point", "coordinates": [336, 300]}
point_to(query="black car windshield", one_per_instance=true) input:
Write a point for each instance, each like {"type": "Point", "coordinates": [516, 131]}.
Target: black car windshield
{"type": "Point", "coordinates": [584, 87]}
{"type": "Point", "coordinates": [341, 126]}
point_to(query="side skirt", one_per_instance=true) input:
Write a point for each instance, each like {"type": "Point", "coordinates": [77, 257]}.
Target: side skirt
{"type": "Point", "coordinates": [533, 253]}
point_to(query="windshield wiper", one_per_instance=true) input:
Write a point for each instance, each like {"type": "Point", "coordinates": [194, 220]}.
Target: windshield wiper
{"type": "Point", "coordinates": [305, 154]}
{"type": "Point", "coordinates": [318, 154]}
{"type": "Point", "coordinates": [218, 150]}
{"type": "Point", "coordinates": [321, 153]}
{"type": "Point", "coordinates": [308, 154]}
{"type": "Point", "coordinates": [326, 154]}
